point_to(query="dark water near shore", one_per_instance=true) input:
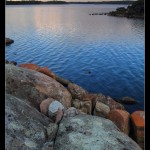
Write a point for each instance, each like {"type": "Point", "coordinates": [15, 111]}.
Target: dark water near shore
{"type": "Point", "coordinates": [100, 53]}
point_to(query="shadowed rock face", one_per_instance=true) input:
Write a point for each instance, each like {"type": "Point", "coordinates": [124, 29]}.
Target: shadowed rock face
{"type": "Point", "coordinates": [33, 87]}
{"type": "Point", "coordinates": [25, 127]}
{"type": "Point", "coordinates": [85, 132]}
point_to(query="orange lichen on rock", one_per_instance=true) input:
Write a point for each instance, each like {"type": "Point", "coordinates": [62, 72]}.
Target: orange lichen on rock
{"type": "Point", "coordinates": [138, 122]}
{"type": "Point", "coordinates": [30, 66]}
{"type": "Point", "coordinates": [138, 118]}
{"type": "Point", "coordinates": [120, 118]}
{"type": "Point", "coordinates": [35, 67]}
{"type": "Point", "coordinates": [47, 72]}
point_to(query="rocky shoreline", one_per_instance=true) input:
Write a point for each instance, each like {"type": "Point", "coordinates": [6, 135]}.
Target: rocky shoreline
{"type": "Point", "coordinates": [8, 41]}
{"type": "Point", "coordinates": [102, 124]}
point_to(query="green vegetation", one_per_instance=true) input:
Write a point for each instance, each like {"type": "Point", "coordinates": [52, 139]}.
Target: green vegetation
{"type": "Point", "coordinates": [136, 10]}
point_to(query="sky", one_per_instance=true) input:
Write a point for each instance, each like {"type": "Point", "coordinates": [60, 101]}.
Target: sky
{"type": "Point", "coordinates": [80, 0]}
{"type": "Point", "coordinates": [90, 0]}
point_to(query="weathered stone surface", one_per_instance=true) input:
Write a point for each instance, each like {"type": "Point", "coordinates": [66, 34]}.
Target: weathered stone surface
{"type": "Point", "coordinates": [34, 87]}
{"type": "Point", "coordinates": [76, 103]}
{"type": "Point", "coordinates": [89, 97]}
{"type": "Point", "coordinates": [113, 104]}
{"type": "Point", "coordinates": [138, 123]}
{"type": "Point", "coordinates": [121, 119]}
{"type": "Point", "coordinates": [107, 100]}
{"type": "Point", "coordinates": [48, 146]}
{"type": "Point", "coordinates": [52, 131]}
{"type": "Point", "coordinates": [44, 105]}
{"type": "Point", "coordinates": [101, 109]}
{"type": "Point", "coordinates": [86, 132]}
{"type": "Point", "coordinates": [25, 127]}
{"type": "Point", "coordinates": [71, 112]}
{"type": "Point", "coordinates": [84, 106]}
{"type": "Point", "coordinates": [76, 91]}
{"type": "Point", "coordinates": [97, 97]}
{"type": "Point", "coordinates": [8, 41]}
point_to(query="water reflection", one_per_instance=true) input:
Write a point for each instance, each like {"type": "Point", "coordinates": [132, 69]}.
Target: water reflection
{"type": "Point", "coordinates": [70, 41]}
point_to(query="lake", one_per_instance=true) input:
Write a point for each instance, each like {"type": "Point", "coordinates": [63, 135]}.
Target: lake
{"type": "Point", "coordinates": [103, 54]}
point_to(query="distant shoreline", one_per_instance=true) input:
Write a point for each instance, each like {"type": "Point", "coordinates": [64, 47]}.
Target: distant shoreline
{"type": "Point", "coordinates": [63, 2]}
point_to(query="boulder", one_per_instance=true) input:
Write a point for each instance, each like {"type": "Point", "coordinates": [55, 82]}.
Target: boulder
{"type": "Point", "coordinates": [101, 109]}
{"type": "Point", "coordinates": [44, 105]}
{"type": "Point", "coordinates": [98, 97]}
{"type": "Point", "coordinates": [138, 125]}
{"type": "Point", "coordinates": [84, 106]}
{"type": "Point", "coordinates": [8, 41]}
{"type": "Point", "coordinates": [33, 87]}
{"type": "Point", "coordinates": [76, 103]}
{"type": "Point", "coordinates": [76, 91]}
{"type": "Point", "coordinates": [47, 72]}
{"type": "Point", "coordinates": [128, 100]}
{"type": "Point", "coordinates": [113, 104]}
{"type": "Point", "coordinates": [71, 112]}
{"type": "Point", "coordinates": [86, 132]}
{"type": "Point", "coordinates": [25, 127]}
{"type": "Point", "coordinates": [107, 100]}
{"type": "Point", "coordinates": [89, 97]}
{"type": "Point", "coordinates": [121, 119]}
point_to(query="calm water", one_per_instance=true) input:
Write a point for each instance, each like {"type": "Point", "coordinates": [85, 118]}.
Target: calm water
{"type": "Point", "coordinates": [100, 53]}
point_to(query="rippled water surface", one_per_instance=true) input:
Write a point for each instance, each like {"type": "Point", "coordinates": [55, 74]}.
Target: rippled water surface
{"type": "Point", "coordinates": [100, 53]}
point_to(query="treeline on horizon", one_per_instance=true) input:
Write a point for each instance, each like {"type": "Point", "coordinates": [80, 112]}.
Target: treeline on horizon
{"type": "Point", "coordinates": [64, 2]}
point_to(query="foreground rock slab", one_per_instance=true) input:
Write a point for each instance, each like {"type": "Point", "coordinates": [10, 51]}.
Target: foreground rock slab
{"type": "Point", "coordinates": [85, 132]}
{"type": "Point", "coordinates": [25, 127]}
{"type": "Point", "coordinates": [34, 87]}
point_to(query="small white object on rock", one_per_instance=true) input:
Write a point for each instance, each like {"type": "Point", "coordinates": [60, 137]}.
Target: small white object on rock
{"type": "Point", "coordinates": [53, 107]}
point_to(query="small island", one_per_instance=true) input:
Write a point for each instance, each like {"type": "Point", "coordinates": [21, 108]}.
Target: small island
{"type": "Point", "coordinates": [8, 41]}
{"type": "Point", "coordinates": [136, 10]}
